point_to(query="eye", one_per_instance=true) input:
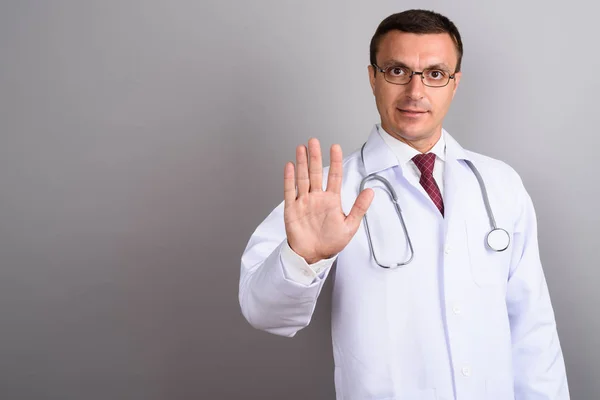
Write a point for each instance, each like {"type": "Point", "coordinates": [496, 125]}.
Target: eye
{"type": "Point", "coordinates": [436, 74]}
{"type": "Point", "coordinates": [397, 71]}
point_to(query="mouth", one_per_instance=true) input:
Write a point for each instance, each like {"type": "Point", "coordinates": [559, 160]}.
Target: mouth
{"type": "Point", "coordinates": [413, 113]}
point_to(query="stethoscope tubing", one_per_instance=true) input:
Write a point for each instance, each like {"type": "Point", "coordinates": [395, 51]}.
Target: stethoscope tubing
{"type": "Point", "coordinates": [496, 235]}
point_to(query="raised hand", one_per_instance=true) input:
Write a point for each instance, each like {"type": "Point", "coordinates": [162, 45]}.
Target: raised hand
{"type": "Point", "coordinates": [315, 225]}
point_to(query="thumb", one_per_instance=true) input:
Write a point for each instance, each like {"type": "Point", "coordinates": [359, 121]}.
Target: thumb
{"type": "Point", "coordinates": [359, 209]}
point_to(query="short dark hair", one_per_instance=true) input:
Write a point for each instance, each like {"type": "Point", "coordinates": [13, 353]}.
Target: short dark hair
{"type": "Point", "coordinates": [420, 22]}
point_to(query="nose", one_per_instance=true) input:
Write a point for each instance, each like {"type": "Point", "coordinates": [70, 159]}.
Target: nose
{"type": "Point", "coordinates": [415, 88]}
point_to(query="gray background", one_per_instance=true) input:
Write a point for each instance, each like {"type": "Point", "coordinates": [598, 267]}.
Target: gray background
{"type": "Point", "coordinates": [141, 142]}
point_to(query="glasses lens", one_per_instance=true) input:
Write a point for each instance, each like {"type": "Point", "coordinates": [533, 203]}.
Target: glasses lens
{"type": "Point", "coordinates": [398, 75]}
{"type": "Point", "coordinates": [435, 77]}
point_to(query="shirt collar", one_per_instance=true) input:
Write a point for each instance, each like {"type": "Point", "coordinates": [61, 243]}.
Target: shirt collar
{"type": "Point", "coordinates": [377, 156]}
{"type": "Point", "coordinates": [404, 153]}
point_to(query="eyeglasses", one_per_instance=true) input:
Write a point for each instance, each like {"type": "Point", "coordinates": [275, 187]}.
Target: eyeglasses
{"type": "Point", "coordinates": [432, 77]}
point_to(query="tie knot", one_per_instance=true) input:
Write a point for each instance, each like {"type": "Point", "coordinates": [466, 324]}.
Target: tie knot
{"type": "Point", "coordinates": [425, 163]}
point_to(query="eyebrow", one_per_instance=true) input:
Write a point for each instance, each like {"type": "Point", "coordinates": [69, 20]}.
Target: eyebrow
{"type": "Point", "coordinates": [397, 63]}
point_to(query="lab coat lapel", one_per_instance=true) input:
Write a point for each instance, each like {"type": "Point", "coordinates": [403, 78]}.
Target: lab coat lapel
{"type": "Point", "coordinates": [454, 178]}
{"type": "Point", "coordinates": [377, 156]}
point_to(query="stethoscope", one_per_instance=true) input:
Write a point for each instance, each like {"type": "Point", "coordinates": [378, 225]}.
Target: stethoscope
{"type": "Point", "coordinates": [497, 239]}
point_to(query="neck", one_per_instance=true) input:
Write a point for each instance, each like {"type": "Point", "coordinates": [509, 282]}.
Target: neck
{"type": "Point", "coordinates": [422, 145]}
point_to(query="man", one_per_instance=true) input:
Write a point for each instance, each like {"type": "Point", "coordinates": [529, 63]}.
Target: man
{"type": "Point", "coordinates": [452, 314]}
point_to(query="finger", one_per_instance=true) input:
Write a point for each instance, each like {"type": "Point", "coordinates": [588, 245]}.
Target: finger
{"type": "Point", "coordinates": [359, 209]}
{"type": "Point", "coordinates": [302, 180]}
{"type": "Point", "coordinates": [289, 187]}
{"type": "Point", "coordinates": [334, 180]}
{"type": "Point", "coordinates": [315, 168]}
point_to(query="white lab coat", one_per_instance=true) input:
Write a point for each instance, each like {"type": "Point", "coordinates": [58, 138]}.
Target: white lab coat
{"type": "Point", "coordinates": [459, 322]}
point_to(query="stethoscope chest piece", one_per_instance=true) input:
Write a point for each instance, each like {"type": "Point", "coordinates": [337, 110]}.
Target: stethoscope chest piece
{"type": "Point", "coordinates": [498, 239]}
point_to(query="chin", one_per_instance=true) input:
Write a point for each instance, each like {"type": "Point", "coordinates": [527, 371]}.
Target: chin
{"type": "Point", "coordinates": [410, 132]}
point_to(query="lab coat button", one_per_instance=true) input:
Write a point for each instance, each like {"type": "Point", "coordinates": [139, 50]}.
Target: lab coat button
{"type": "Point", "coordinates": [456, 310]}
{"type": "Point", "coordinates": [447, 249]}
{"type": "Point", "coordinates": [466, 371]}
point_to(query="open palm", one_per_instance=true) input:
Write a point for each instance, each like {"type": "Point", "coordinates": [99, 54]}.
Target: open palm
{"type": "Point", "coordinates": [315, 224]}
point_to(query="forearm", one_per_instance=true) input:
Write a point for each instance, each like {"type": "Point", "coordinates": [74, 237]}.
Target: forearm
{"type": "Point", "coordinates": [271, 300]}
{"type": "Point", "coordinates": [539, 368]}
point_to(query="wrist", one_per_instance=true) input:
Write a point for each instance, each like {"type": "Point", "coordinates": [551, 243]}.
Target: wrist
{"type": "Point", "coordinates": [309, 258]}
{"type": "Point", "coordinates": [312, 260]}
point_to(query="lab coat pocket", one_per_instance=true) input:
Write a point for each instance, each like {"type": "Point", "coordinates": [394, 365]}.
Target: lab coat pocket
{"type": "Point", "coordinates": [415, 394]}
{"type": "Point", "coordinates": [488, 267]}
{"type": "Point", "coordinates": [499, 389]}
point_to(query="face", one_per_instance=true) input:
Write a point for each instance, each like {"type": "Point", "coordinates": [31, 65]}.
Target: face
{"type": "Point", "coordinates": [414, 112]}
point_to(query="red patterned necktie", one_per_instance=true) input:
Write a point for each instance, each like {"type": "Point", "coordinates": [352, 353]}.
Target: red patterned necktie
{"type": "Point", "coordinates": [425, 163]}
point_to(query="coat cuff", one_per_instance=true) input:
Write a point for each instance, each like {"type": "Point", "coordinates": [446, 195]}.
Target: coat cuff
{"type": "Point", "coordinates": [298, 270]}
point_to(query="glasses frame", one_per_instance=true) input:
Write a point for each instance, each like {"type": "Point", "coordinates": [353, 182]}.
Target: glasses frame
{"type": "Point", "coordinates": [383, 71]}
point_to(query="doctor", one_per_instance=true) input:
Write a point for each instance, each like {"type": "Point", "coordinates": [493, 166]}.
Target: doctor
{"type": "Point", "coordinates": [423, 306]}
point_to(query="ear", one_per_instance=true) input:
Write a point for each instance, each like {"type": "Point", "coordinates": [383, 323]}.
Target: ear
{"type": "Point", "coordinates": [457, 77]}
{"type": "Point", "coordinates": [372, 77]}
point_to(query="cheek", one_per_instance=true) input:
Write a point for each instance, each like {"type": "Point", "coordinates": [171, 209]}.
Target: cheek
{"type": "Point", "coordinates": [387, 97]}
{"type": "Point", "coordinates": [441, 103]}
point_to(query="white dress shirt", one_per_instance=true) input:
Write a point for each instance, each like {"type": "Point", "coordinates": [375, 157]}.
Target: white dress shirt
{"type": "Point", "coordinates": [297, 269]}
{"type": "Point", "coordinates": [404, 153]}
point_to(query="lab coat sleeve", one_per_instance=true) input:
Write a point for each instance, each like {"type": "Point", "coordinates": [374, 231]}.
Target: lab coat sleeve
{"type": "Point", "coordinates": [538, 364]}
{"type": "Point", "coordinates": [274, 297]}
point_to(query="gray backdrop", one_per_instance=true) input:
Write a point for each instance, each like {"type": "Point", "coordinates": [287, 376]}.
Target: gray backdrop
{"type": "Point", "coordinates": [141, 142]}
